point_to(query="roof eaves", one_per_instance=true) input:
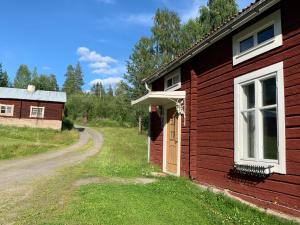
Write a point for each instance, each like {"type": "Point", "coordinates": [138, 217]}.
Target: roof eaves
{"type": "Point", "coordinates": [231, 24]}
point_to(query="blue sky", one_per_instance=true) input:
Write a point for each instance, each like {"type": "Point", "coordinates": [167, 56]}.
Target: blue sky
{"type": "Point", "coordinates": [98, 33]}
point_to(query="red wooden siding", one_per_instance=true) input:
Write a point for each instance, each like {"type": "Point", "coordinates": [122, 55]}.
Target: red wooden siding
{"type": "Point", "coordinates": [17, 106]}
{"type": "Point", "coordinates": [53, 110]}
{"type": "Point", "coordinates": [208, 138]}
{"type": "Point", "coordinates": [215, 118]}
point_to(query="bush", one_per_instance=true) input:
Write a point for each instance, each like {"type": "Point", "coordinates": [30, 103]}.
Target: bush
{"type": "Point", "coordinates": [67, 124]}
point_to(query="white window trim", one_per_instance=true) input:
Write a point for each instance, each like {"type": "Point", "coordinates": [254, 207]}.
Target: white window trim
{"type": "Point", "coordinates": [175, 86]}
{"type": "Point", "coordinates": [276, 41]}
{"type": "Point", "coordinates": [7, 114]}
{"type": "Point", "coordinates": [279, 165]}
{"type": "Point", "coordinates": [32, 116]}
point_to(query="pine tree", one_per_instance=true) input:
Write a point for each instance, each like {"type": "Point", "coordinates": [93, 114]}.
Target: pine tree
{"type": "Point", "coordinates": [23, 77]}
{"type": "Point", "coordinates": [53, 83]}
{"type": "Point", "coordinates": [97, 89]}
{"type": "Point", "coordinates": [78, 78]}
{"type": "Point", "coordinates": [110, 91]}
{"type": "Point", "coordinates": [70, 82]}
{"type": "Point", "coordinates": [4, 81]}
{"type": "Point", "coordinates": [35, 79]}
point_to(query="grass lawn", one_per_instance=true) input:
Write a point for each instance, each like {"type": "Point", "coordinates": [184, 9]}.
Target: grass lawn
{"type": "Point", "coordinates": [16, 142]}
{"type": "Point", "coordinates": [170, 200]}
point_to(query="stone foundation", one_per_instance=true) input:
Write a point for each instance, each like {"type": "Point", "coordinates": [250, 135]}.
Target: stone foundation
{"type": "Point", "coordinates": [35, 123]}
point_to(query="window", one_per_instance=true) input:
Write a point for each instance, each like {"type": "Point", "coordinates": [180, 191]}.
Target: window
{"type": "Point", "coordinates": [173, 81]}
{"type": "Point", "coordinates": [6, 110]}
{"type": "Point", "coordinates": [259, 118]}
{"type": "Point", "coordinates": [37, 112]}
{"type": "Point", "coordinates": [258, 38]}
{"type": "Point", "coordinates": [246, 44]}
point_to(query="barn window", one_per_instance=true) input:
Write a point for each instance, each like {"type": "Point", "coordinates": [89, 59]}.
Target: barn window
{"type": "Point", "coordinates": [259, 118]}
{"type": "Point", "coordinates": [6, 110]}
{"type": "Point", "coordinates": [259, 38]}
{"type": "Point", "coordinates": [173, 81]}
{"type": "Point", "coordinates": [37, 112]}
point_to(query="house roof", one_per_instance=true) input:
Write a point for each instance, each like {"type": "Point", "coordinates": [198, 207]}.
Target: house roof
{"type": "Point", "coordinates": [231, 24]}
{"type": "Point", "coordinates": [16, 93]}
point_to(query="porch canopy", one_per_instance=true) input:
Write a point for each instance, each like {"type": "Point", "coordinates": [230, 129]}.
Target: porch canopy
{"type": "Point", "coordinates": [160, 98]}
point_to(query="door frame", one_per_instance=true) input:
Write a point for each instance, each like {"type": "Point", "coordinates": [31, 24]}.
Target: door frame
{"type": "Point", "coordinates": [166, 107]}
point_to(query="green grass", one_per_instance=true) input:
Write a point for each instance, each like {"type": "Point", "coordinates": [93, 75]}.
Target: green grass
{"type": "Point", "coordinates": [170, 200]}
{"type": "Point", "coordinates": [16, 142]}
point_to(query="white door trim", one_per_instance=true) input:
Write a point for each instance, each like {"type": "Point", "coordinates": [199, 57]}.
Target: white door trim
{"type": "Point", "coordinates": [166, 107]}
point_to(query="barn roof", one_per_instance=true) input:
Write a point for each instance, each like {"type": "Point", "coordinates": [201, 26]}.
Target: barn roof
{"type": "Point", "coordinates": [24, 94]}
{"type": "Point", "coordinates": [228, 26]}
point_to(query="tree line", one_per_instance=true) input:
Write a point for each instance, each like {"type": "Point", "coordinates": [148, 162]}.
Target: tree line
{"type": "Point", "coordinates": [24, 77]}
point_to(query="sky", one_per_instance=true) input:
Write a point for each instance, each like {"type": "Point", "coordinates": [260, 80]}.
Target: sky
{"type": "Point", "coordinates": [100, 34]}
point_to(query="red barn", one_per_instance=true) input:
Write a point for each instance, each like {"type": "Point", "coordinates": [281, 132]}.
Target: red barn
{"type": "Point", "coordinates": [226, 112]}
{"type": "Point", "coordinates": [31, 108]}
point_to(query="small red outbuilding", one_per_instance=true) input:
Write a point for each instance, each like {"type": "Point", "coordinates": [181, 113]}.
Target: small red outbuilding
{"type": "Point", "coordinates": [31, 108]}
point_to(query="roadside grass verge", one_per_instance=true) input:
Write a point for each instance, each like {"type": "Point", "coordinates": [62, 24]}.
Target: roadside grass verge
{"type": "Point", "coordinates": [22, 141]}
{"type": "Point", "coordinates": [170, 200]}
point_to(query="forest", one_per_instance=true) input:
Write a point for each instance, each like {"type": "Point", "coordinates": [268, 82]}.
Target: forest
{"type": "Point", "coordinates": [169, 37]}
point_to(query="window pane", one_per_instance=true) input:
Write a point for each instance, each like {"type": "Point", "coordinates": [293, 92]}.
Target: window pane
{"type": "Point", "coordinates": [270, 134]}
{"type": "Point", "coordinates": [249, 133]}
{"type": "Point", "coordinates": [169, 82]}
{"type": "Point", "coordinates": [8, 109]}
{"type": "Point", "coordinates": [249, 101]}
{"type": "Point", "coordinates": [265, 34]}
{"type": "Point", "coordinates": [269, 91]}
{"type": "Point", "coordinates": [175, 79]}
{"type": "Point", "coordinates": [2, 109]}
{"type": "Point", "coordinates": [246, 44]}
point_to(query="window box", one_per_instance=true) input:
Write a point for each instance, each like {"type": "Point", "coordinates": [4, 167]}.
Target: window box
{"type": "Point", "coordinates": [258, 38]}
{"type": "Point", "coordinates": [6, 110]}
{"type": "Point", "coordinates": [259, 119]}
{"type": "Point", "coordinates": [37, 112]}
{"type": "Point", "coordinates": [172, 81]}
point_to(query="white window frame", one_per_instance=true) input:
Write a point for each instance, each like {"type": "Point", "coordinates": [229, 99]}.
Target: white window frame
{"type": "Point", "coordinates": [279, 165]}
{"type": "Point", "coordinates": [38, 107]}
{"type": "Point", "coordinates": [7, 114]}
{"type": "Point", "coordinates": [257, 49]}
{"type": "Point", "coordinates": [175, 86]}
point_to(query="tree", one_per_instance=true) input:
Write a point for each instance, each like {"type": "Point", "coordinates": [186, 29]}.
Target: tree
{"type": "Point", "coordinates": [78, 78]}
{"type": "Point", "coordinates": [110, 91]}
{"type": "Point", "coordinates": [53, 83]}
{"type": "Point", "coordinates": [23, 77]}
{"type": "Point", "coordinates": [98, 90]}
{"type": "Point", "coordinates": [142, 63]}
{"type": "Point", "coordinates": [166, 35]}
{"type": "Point", "coordinates": [35, 78]}
{"type": "Point", "coordinates": [215, 13]}
{"type": "Point", "coordinates": [70, 82]}
{"type": "Point", "coordinates": [4, 81]}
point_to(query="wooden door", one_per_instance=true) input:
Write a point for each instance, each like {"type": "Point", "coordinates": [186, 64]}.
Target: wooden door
{"type": "Point", "coordinates": [172, 140]}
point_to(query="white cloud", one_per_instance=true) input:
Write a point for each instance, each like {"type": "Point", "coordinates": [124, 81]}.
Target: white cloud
{"type": "Point", "coordinates": [106, 1]}
{"type": "Point", "coordinates": [107, 81]}
{"type": "Point", "coordinates": [92, 56]}
{"type": "Point", "coordinates": [46, 68]}
{"type": "Point", "coordinates": [140, 19]}
{"type": "Point", "coordinates": [99, 64]}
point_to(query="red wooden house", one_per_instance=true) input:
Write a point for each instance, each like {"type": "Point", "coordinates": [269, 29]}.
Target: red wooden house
{"type": "Point", "coordinates": [31, 108]}
{"type": "Point", "coordinates": [226, 112]}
